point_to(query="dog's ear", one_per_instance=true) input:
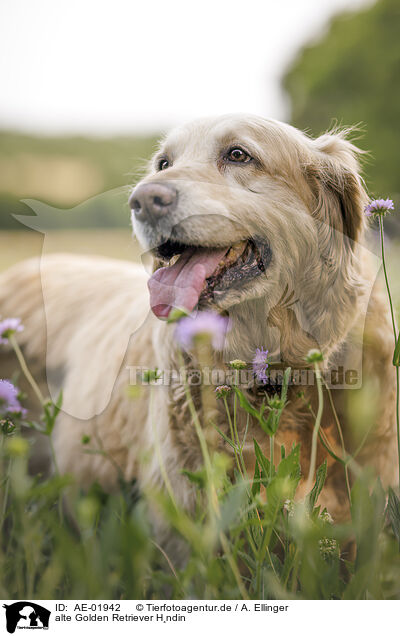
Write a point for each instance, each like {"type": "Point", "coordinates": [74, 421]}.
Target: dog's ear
{"type": "Point", "coordinates": [334, 176]}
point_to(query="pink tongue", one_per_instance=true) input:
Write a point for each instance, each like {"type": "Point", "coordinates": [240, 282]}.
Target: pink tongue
{"type": "Point", "coordinates": [180, 285]}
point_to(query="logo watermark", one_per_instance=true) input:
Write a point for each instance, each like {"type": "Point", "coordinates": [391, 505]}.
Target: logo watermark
{"type": "Point", "coordinates": [337, 378]}
{"type": "Point", "coordinates": [26, 615]}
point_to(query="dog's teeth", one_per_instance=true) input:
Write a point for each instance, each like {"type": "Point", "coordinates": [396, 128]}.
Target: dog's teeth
{"type": "Point", "coordinates": [173, 260]}
{"type": "Point", "coordinates": [235, 251]}
{"type": "Point", "coordinates": [231, 255]}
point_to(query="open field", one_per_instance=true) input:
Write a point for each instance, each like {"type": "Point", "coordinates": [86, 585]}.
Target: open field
{"type": "Point", "coordinates": [119, 243]}
{"type": "Point", "coordinates": [64, 171]}
{"type": "Point", "coordinates": [111, 242]}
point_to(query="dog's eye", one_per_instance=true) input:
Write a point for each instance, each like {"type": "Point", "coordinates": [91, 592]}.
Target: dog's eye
{"type": "Point", "coordinates": [238, 155]}
{"type": "Point", "coordinates": [163, 164]}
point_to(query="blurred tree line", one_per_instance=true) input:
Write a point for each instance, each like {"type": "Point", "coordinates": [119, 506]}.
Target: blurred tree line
{"type": "Point", "coordinates": [352, 76]}
{"type": "Point", "coordinates": [65, 172]}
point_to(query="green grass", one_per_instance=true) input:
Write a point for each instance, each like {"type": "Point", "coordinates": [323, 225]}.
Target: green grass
{"type": "Point", "coordinates": [116, 243]}
{"type": "Point", "coordinates": [248, 537]}
{"type": "Point", "coordinates": [15, 246]}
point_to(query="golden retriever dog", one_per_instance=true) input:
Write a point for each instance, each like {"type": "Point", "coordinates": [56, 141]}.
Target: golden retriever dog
{"type": "Point", "coordinates": [246, 217]}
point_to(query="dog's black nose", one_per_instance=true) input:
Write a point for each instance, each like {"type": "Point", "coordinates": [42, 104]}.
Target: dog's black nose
{"type": "Point", "coordinates": [150, 201]}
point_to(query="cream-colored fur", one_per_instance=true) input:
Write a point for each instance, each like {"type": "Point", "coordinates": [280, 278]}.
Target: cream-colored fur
{"type": "Point", "coordinates": [306, 198]}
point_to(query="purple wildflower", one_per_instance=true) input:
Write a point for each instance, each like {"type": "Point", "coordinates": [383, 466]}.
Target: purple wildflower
{"type": "Point", "coordinates": [9, 403]}
{"type": "Point", "coordinates": [378, 206]}
{"type": "Point", "coordinates": [260, 364]}
{"type": "Point", "coordinates": [205, 322]}
{"type": "Point", "coordinates": [222, 391]}
{"type": "Point", "coordinates": [9, 326]}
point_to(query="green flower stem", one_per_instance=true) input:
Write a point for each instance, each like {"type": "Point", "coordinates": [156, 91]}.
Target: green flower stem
{"type": "Point", "coordinates": [6, 491]}
{"type": "Point", "coordinates": [241, 468]}
{"type": "Point", "coordinates": [397, 415]}
{"type": "Point", "coordinates": [313, 457]}
{"type": "Point", "coordinates": [386, 276]}
{"type": "Point", "coordinates": [264, 548]}
{"type": "Point", "coordinates": [295, 570]}
{"type": "Point", "coordinates": [271, 455]}
{"type": "Point", "coordinates": [245, 432]}
{"type": "Point", "coordinates": [25, 369]}
{"type": "Point", "coordinates": [322, 437]}
{"type": "Point", "coordinates": [35, 388]}
{"type": "Point", "coordinates": [235, 434]}
{"type": "Point", "coordinates": [235, 450]}
{"type": "Point", "coordinates": [199, 431]}
{"type": "Point", "coordinates": [339, 428]}
{"type": "Point", "coordinates": [160, 459]}
{"type": "Point", "coordinates": [380, 218]}
{"type": "Point", "coordinates": [234, 567]}
{"type": "Point", "coordinates": [170, 564]}
{"type": "Point", "coordinates": [236, 441]}
{"type": "Point", "coordinates": [53, 455]}
{"type": "Point", "coordinates": [212, 494]}
{"type": "Point", "coordinates": [235, 408]}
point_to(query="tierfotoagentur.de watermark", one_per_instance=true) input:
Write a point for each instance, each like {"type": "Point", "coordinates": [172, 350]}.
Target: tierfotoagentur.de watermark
{"type": "Point", "coordinates": [337, 377]}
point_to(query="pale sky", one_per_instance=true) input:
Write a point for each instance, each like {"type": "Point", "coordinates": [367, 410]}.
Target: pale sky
{"type": "Point", "coordinates": [121, 66]}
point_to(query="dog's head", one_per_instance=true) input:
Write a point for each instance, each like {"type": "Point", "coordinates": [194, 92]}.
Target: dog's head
{"type": "Point", "coordinates": [244, 214]}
